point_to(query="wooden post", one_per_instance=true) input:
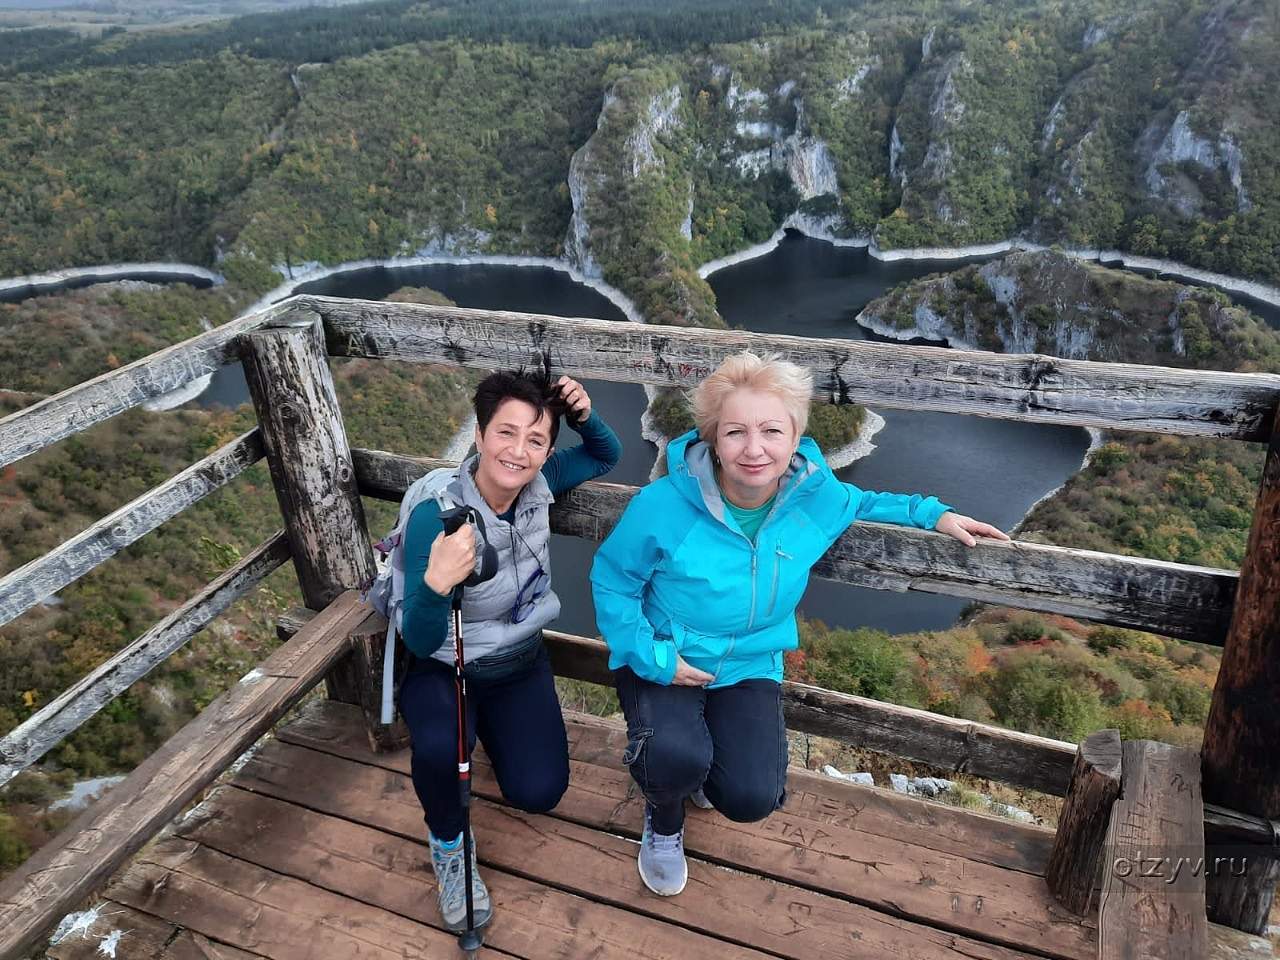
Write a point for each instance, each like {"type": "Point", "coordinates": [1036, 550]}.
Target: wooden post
{"type": "Point", "coordinates": [1240, 759]}
{"type": "Point", "coordinates": [1152, 903]}
{"type": "Point", "coordinates": [287, 370]}
{"type": "Point", "coordinates": [1082, 828]}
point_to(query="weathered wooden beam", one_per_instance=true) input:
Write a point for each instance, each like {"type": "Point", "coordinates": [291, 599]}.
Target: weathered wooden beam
{"type": "Point", "coordinates": [88, 851]}
{"type": "Point", "coordinates": [310, 460]}
{"type": "Point", "coordinates": [51, 724]}
{"type": "Point", "coordinates": [1240, 760]}
{"type": "Point", "coordinates": [1173, 599]}
{"type": "Point", "coordinates": [1152, 903]}
{"type": "Point", "coordinates": [23, 588]}
{"type": "Point", "coordinates": [1029, 387]}
{"type": "Point", "coordinates": [1086, 816]}
{"type": "Point", "coordinates": [79, 407]}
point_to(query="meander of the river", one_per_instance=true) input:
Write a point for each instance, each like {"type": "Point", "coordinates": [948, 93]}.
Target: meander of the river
{"type": "Point", "coordinates": [992, 469]}
{"type": "Point", "coordinates": [989, 468]}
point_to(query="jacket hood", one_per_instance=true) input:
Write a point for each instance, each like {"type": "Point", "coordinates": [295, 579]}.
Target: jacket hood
{"type": "Point", "coordinates": [693, 473]}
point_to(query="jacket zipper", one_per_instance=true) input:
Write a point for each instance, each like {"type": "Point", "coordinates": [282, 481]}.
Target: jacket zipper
{"type": "Point", "coordinates": [778, 556]}
{"type": "Point", "coordinates": [733, 638]}
{"type": "Point", "coordinates": [751, 619]}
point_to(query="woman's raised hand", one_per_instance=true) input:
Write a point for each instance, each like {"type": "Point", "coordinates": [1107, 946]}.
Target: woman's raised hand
{"type": "Point", "coordinates": [575, 398]}
{"type": "Point", "coordinates": [452, 559]}
{"type": "Point", "coordinates": [687, 676]}
{"type": "Point", "coordinates": [966, 529]}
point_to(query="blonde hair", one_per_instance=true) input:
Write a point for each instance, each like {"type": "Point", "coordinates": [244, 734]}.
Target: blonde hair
{"type": "Point", "coordinates": [789, 382]}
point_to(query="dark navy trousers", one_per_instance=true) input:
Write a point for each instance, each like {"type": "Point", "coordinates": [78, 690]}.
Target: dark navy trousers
{"type": "Point", "coordinates": [731, 741]}
{"type": "Point", "coordinates": [518, 720]}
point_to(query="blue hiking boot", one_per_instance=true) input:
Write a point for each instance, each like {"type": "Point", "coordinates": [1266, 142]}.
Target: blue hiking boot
{"type": "Point", "coordinates": [448, 862]}
{"type": "Point", "coordinates": [661, 862]}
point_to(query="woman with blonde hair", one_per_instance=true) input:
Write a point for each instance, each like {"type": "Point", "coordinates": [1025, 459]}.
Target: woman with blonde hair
{"type": "Point", "coordinates": [696, 590]}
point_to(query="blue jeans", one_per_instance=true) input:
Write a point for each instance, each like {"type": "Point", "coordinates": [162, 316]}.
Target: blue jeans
{"type": "Point", "coordinates": [517, 718]}
{"type": "Point", "coordinates": [731, 741]}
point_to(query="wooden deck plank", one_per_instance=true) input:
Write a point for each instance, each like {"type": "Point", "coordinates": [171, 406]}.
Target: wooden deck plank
{"type": "Point", "coordinates": [734, 906]}
{"type": "Point", "coordinates": [1226, 943]}
{"type": "Point", "coordinates": [136, 934]}
{"type": "Point", "coordinates": [141, 937]}
{"type": "Point", "coordinates": [333, 727]}
{"type": "Point", "coordinates": [277, 917]}
{"type": "Point", "coordinates": [972, 899]}
{"type": "Point", "coordinates": [362, 862]}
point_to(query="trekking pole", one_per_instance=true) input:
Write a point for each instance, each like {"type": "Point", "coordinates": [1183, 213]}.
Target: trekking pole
{"type": "Point", "coordinates": [470, 940]}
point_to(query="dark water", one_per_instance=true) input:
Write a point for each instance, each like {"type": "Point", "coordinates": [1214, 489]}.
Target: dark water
{"type": "Point", "coordinates": [33, 290]}
{"type": "Point", "coordinates": [991, 469]}
{"type": "Point", "coordinates": [988, 468]}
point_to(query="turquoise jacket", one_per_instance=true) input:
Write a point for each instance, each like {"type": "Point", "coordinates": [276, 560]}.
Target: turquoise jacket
{"type": "Point", "coordinates": [677, 575]}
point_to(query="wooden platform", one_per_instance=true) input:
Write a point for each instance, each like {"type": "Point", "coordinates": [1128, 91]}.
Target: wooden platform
{"type": "Point", "coordinates": [315, 849]}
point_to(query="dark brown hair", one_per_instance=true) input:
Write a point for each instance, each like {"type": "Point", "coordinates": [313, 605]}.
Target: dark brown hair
{"type": "Point", "coordinates": [536, 387]}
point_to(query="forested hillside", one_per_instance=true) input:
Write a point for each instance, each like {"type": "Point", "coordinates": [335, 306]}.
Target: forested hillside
{"type": "Point", "coordinates": [508, 126]}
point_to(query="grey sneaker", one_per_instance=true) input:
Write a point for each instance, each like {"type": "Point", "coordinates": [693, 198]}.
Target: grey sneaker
{"type": "Point", "coordinates": [699, 799]}
{"type": "Point", "coordinates": [661, 861]}
{"type": "Point", "coordinates": [451, 886]}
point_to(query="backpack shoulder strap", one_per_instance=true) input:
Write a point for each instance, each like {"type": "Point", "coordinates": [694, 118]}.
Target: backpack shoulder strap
{"type": "Point", "coordinates": [433, 483]}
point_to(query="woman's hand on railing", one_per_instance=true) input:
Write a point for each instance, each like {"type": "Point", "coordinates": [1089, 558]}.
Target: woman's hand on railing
{"type": "Point", "coordinates": [687, 676]}
{"type": "Point", "coordinates": [452, 559]}
{"type": "Point", "coordinates": [966, 529]}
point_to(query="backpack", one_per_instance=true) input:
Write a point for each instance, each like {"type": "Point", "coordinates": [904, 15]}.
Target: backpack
{"type": "Point", "coordinates": [386, 593]}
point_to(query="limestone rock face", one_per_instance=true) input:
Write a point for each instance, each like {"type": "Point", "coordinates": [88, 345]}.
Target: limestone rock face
{"type": "Point", "coordinates": [925, 161]}
{"type": "Point", "coordinates": [1180, 146]}
{"type": "Point", "coordinates": [807, 160]}
{"type": "Point", "coordinates": [603, 160]}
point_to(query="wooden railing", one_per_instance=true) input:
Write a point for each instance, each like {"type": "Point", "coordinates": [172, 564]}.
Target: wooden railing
{"type": "Point", "coordinates": [1178, 600]}
{"type": "Point", "coordinates": [318, 480]}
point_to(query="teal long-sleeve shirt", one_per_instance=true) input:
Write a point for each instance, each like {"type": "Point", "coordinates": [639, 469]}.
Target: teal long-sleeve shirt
{"type": "Point", "coordinates": [425, 623]}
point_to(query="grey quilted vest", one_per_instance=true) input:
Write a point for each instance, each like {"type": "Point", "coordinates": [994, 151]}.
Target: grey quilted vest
{"type": "Point", "coordinates": [522, 546]}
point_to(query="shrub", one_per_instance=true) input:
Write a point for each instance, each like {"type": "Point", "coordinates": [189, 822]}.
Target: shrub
{"type": "Point", "coordinates": [1139, 720]}
{"type": "Point", "coordinates": [833, 427]}
{"type": "Point", "coordinates": [1025, 629]}
{"type": "Point", "coordinates": [1109, 456]}
{"type": "Point", "coordinates": [670, 413]}
{"type": "Point", "coordinates": [1185, 701]}
{"type": "Point", "coordinates": [865, 662]}
{"type": "Point", "coordinates": [13, 849]}
{"type": "Point", "coordinates": [1035, 692]}
{"type": "Point", "coordinates": [1102, 639]}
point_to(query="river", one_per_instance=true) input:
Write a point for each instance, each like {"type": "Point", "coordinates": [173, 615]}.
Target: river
{"type": "Point", "coordinates": [992, 469]}
{"type": "Point", "coordinates": [989, 468]}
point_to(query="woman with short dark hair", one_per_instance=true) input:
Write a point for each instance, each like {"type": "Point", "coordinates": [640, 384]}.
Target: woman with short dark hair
{"type": "Point", "coordinates": [696, 590]}
{"type": "Point", "coordinates": [512, 706]}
